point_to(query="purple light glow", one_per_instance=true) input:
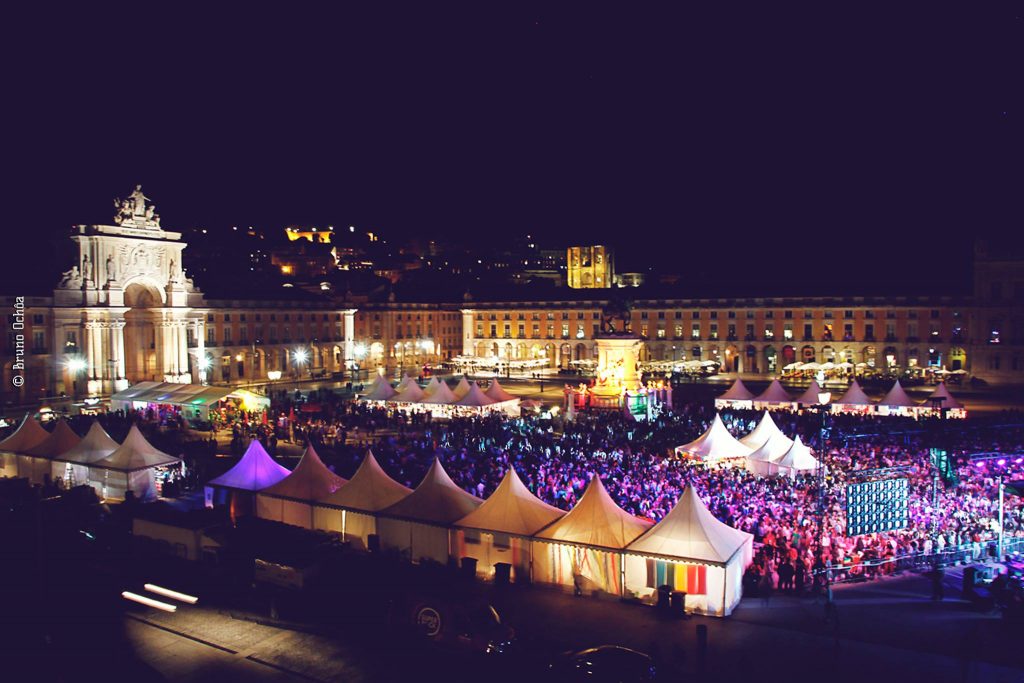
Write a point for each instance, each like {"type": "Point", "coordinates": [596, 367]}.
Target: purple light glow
{"type": "Point", "coordinates": [1001, 462]}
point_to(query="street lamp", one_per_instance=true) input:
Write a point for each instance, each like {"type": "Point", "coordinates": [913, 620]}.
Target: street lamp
{"type": "Point", "coordinates": [204, 363]}
{"type": "Point", "coordinates": [76, 365]}
{"type": "Point", "coordinates": [823, 399]}
{"type": "Point", "coordinates": [300, 356]}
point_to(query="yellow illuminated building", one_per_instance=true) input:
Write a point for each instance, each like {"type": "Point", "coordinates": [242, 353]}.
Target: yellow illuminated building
{"type": "Point", "coordinates": [590, 267]}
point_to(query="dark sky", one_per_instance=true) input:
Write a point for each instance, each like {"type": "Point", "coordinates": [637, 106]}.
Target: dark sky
{"type": "Point", "coordinates": [877, 141]}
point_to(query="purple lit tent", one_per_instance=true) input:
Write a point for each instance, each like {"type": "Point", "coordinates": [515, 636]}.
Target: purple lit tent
{"type": "Point", "coordinates": [255, 471]}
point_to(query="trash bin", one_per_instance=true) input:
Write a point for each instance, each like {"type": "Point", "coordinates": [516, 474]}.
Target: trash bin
{"type": "Point", "coordinates": [469, 568]}
{"type": "Point", "coordinates": [502, 573]}
{"type": "Point", "coordinates": [678, 599]}
{"type": "Point", "coordinates": [664, 598]}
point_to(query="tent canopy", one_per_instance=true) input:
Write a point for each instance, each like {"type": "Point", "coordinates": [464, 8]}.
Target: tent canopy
{"type": "Point", "coordinates": [380, 390]}
{"type": "Point", "coordinates": [28, 435]}
{"type": "Point", "coordinates": [60, 441]}
{"type": "Point", "coordinates": [854, 396]}
{"type": "Point", "coordinates": [715, 444]}
{"type": "Point", "coordinates": [497, 393]}
{"type": "Point", "coordinates": [461, 389]}
{"type": "Point", "coordinates": [810, 395]}
{"type": "Point", "coordinates": [774, 394]}
{"type": "Point", "coordinates": [441, 395]}
{"type": "Point", "coordinates": [897, 397]}
{"type": "Point", "coordinates": [256, 470]}
{"type": "Point", "coordinates": [764, 430]}
{"type": "Point", "coordinates": [737, 392]}
{"type": "Point", "coordinates": [797, 459]}
{"type": "Point", "coordinates": [135, 454]}
{"type": "Point", "coordinates": [691, 532]}
{"type": "Point", "coordinates": [437, 499]}
{"type": "Point", "coordinates": [475, 397]}
{"type": "Point", "coordinates": [94, 446]}
{"type": "Point", "coordinates": [942, 392]}
{"type": "Point", "coordinates": [596, 520]}
{"type": "Point", "coordinates": [188, 395]}
{"type": "Point", "coordinates": [310, 480]}
{"type": "Point", "coordinates": [771, 450]}
{"type": "Point", "coordinates": [408, 391]}
{"type": "Point", "coordinates": [369, 490]}
{"type": "Point", "coordinates": [512, 509]}
{"type": "Point", "coordinates": [431, 387]}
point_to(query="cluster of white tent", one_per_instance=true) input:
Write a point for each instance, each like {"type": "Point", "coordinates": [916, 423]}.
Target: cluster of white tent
{"type": "Point", "coordinates": [596, 544]}
{"type": "Point", "coordinates": [853, 400]}
{"type": "Point", "coordinates": [95, 459]}
{"type": "Point", "coordinates": [442, 400]}
{"type": "Point", "coordinates": [765, 451]}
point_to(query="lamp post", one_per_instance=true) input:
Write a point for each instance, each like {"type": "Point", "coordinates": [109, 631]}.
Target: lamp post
{"type": "Point", "coordinates": [823, 398]}
{"type": "Point", "coordinates": [300, 356]}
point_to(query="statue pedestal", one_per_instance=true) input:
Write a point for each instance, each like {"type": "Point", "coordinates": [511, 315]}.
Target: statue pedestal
{"type": "Point", "coordinates": [617, 358]}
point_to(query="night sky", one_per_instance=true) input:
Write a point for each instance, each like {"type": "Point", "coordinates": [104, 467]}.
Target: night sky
{"type": "Point", "coordinates": [866, 145]}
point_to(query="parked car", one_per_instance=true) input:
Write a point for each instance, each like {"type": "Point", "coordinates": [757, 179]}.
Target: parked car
{"type": "Point", "coordinates": [603, 664]}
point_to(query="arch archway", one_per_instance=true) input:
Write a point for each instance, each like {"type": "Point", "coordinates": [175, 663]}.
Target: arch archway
{"type": "Point", "coordinates": [771, 360]}
{"type": "Point", "coordinates": [143, 360]}
{"type": "Point", "coordinates": [957, 358]}
{"type": "Point", "coordinates": [788, 355]}
{"type": "Point", "coordinates": [891, 357]}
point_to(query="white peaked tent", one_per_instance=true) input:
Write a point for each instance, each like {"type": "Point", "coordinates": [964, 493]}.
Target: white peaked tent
{"type": "Point", "coordinates": [497, 393]}
{"type": "Point", "coordinates": [736, 396]}
{"type": "Point", "coordinates": [461, 389]}
{"type": "Point", "coordinates": [714, 444]}
{"type": "Point", "coordinates": [764, 430]}
{"type": "Point", "coordinates": [953, 407]}
{"type": "Point", "coordinates": [441, 395]}
{"type": "Point", "coordinates": [587, 542]}
{"type": "Point", "coordinates": [290, 500]}
{"type": "Point", "coordinates": [380, 390]}
{"type": "Point", "coordinates": [130, 468]}
{"type": "Point", "coordinates": [28, 434]}
{"type": "Point", "coordinates": [760, 462]}
{"type": "Point", "coordinates": [474, 397]}
{"type": "Point", "coordinates": [810, 395]}
{"type": "Point", "coordinates": [497, 531]}
{"type": "Point", "coordinates": [38, 460]}
{"type": "Point", "coordinates": [73, 464]}
{"type": "Point", "coordinates": [854, 400]}
{"type": "Point", "coordinates": [408, 392]}
{"type": "Point", "coordinates": [797, 460]}
{"type": "Point", "coordinates": [691, 551]}
{"type": "Point", "coordinates": [418, 524]}
{"type": "Point", "coordinates": [896, 402]}
{"type": "Point", "coordinates": [351, 509]}
{"type": "Point", "coordinates": [773, 397]}
{"type": "Point", "coordinates": [431, 387]}
{"type": "Point", "coordinates": [237, 487]}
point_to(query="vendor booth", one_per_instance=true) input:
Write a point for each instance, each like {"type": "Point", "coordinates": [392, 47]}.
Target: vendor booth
{"type": "Point", "coordinates": [28, 434]}
{"type": "Point", "coordinates": [737, 396]}
{"type": "Point", "coordinates": [584, 548]}
{"type": "Point", "coordinates": [897, 402]}
{"type": "Point", "coordinates": [131, 467]}
{"type": "Point", "coordinates": [192, 401]}
{"type": "Point", "coordinates": [418, 525]}
{"type": "Point", "coordinates": [37, 462]}
{"type": "Point", "coordinates": [853, 401]}
{"type": "Point", "coordinates": [714, 444]}
{"type": "Point", "coordinates": [795, 461]}
{"type": "Point", "coordinates": [352, 509]}
{"type": "Point", "coordinates": [237, 487]}
{"type": "Point", "coordinates": [774, 398]}
{"type": "Point", "coordinates": [692, 552]}
{"type": "Point", "coordinates": [498, 531]}
{"type": "Point", "coordinates": [73, 464]}
{"type": "Point", "coordinates": [946, 403]}
{"type": "Point", "coordinates": [291, 499]}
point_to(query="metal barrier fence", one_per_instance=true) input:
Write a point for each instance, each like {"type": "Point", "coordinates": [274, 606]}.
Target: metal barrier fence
{"type": "Point", "coordinates": [963, 554]}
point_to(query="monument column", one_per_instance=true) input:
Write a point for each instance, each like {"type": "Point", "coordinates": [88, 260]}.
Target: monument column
{"type": "Point", "coordinates": [467, 332]}
{"type": "Point", "coordinates": [120, 374]}
{"type": "Point", "coordinates": [200, 333]}
{"type": "Point", "coordinates": [350, 337]}
{"type": "Point", "coordinates": [182, 330]}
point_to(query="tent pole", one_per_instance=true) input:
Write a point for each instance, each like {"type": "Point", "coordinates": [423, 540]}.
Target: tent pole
{"type": "Point", "coordinates": [725, 584]}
